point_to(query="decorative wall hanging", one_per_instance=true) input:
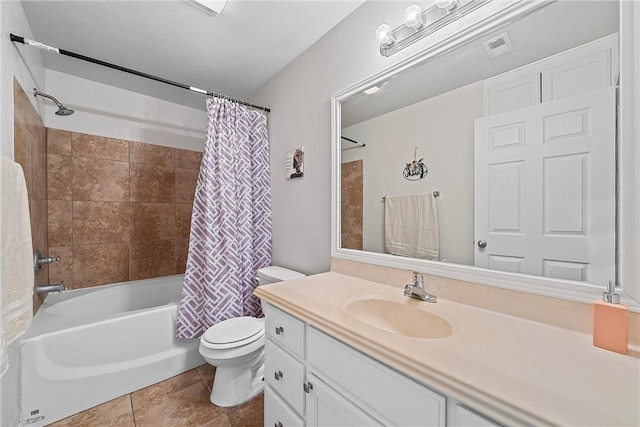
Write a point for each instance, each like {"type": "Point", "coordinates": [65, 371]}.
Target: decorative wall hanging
{"type": "Point", "coordinates": [294, 164]}
{"type": "Point", "coordinates": [416, 169]}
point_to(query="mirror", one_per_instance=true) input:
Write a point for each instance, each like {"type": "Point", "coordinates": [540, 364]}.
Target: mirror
{"type": "Point", "coordinates": [426, 113]}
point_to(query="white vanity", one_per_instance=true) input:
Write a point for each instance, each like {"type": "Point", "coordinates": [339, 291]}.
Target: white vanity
{"type": "Point", "coordinates": [327, 364]}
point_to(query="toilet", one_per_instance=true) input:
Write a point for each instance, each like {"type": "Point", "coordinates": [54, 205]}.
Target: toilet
{"type": "Point", "coordinates": [236, 348]}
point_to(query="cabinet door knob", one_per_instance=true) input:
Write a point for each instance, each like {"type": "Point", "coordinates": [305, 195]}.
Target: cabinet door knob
{"type": "Point", "coordinates": [277, 424]}
{"type": "Point", "coordinates": [277, 375]}
{"type": "Point", "coordinates": [279, 330]}
{"type": "Point", "coordinates": [307, 387]}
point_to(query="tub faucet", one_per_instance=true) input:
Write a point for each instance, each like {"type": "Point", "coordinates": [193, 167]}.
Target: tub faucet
{"type": "Point", "coordinates": [45, 289]}
{"type": "Point", "coordinates": [416, 289]}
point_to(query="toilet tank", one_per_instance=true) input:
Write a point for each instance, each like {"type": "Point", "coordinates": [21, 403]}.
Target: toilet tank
{"type": "Point", "coordinates": [274, 274]}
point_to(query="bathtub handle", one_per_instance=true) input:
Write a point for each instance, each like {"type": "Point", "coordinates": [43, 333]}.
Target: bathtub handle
{"type": "Point", "coordinates": [278, 375]}
{"type": "Point", "coordinates": [279, 330]}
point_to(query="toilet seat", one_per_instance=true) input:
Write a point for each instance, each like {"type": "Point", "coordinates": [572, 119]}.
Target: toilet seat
{"type": "Point", "coordinates": [233, 333]}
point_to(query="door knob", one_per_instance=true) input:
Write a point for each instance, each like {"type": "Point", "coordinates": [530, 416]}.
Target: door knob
{"type": "Point", "coordinates": [482, 244]}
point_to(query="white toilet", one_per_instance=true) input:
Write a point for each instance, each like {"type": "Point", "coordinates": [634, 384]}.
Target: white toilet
{"type": "Point", "coordinates": [236, 348]}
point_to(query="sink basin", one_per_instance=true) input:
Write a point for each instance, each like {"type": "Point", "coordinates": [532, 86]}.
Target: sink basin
{"type": "Point", "coordinates": [399, 318]}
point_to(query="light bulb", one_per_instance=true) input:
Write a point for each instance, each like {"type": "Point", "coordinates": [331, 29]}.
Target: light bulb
{"type": "Point", "coordinates": [385, 35]}
{"type": "Point", "coordinates": [444, 4]}
{"type": "Point", "coordinates": [413, 17]}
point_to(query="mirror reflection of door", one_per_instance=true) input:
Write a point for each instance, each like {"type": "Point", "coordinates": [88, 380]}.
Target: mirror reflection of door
{"type": "Point", "coordinates": [542, 205]}
{"type": "Point", "coordinates": [352, 201]}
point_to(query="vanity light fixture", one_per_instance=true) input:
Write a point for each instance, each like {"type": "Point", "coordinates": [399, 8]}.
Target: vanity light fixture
{"type": "Point", "coordinates": [418, 24]}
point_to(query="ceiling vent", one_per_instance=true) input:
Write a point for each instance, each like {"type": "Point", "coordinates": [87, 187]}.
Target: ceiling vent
{"type": "Point", "coordinates": [498, 46]}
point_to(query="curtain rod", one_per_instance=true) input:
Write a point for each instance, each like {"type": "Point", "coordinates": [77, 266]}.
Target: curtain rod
{"type": "Point", "coordinates": [43, 46]}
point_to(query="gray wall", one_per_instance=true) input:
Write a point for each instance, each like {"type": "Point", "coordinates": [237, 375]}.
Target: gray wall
{"type": "Point", "coordinates": [299, 98]}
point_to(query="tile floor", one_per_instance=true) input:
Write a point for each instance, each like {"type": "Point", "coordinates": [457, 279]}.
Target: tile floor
{"type": "Point", "coordinates": [179, 401]}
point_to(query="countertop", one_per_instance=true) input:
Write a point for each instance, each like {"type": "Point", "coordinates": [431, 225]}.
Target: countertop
{"type": "Point", "coordinates": [513, 370]}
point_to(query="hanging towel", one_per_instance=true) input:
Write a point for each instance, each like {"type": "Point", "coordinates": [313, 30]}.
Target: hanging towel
{"type": "Point", "coordinates": [411, 226]}
{"type": "Point", "coordinates": [16, 259]}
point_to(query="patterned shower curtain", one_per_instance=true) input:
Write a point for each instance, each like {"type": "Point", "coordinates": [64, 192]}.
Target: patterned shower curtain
{"type": "Point", "coordinates": [231, 221]}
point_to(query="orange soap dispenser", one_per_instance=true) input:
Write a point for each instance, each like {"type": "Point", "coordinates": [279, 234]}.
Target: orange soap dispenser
{"type": "Point", "coordinates": [611, 322]}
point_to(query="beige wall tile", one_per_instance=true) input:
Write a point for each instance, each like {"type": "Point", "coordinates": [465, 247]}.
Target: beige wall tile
{"type": "Point", "coordinates": [153, 221]}
{"type": "Point", "coordinates": [100, 180]}
{"type": "Point", "coordinates": [186, 180]}
{"type": "Point", "coordinates": [152, 259]}
{"type": "Point", "coordinates": [100, 222]}
{"type": "Point", "coordinates": [39, 229]}
{"type": "Point", "coordinates": [59, 177]}
{"type": "Point", "coordinates": [61, 271]}
{"type": "Point", "coordinates": [183, 220]}
{"type": "Point", "coordinates": [58, 142]}
{"type": "Point", "coordinates": [188, 159]}
{"type": "Point", "coordinates": [151, 154]}
{"type": "Point", "coordinates": [152, 184]}
{"type": "Point", "coordinates": [22, 153]}
{"type": "Point", "coordinates": [99, 147]}
{"type": "Point", "coordinates": [39, 164]}
{"type": "Point", "coordinates": [100, 264]}
{"type": "Point", "coordinates": [60, 222]}
{"type": "Point", "coordinates": [351, 241]}
{"type": "Point", "coordinates": [29, 151]}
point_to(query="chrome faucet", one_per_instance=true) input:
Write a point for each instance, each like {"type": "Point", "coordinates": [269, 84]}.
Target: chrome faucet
{"type": "Point", "coordinates": [45, 289]}
{"type": "Point", "coordinates": [416, 289]}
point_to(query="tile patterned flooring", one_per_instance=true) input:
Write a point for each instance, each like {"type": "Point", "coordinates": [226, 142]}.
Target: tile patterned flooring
{"type": "Point", "coordinates": [179, 401]}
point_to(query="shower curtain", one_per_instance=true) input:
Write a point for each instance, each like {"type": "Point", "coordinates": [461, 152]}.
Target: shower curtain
{"type": "Point", "coordinates": [231, 221]}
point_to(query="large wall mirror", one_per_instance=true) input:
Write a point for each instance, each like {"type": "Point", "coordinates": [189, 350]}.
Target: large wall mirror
{"type": "Point", "coordinates": [514, 129]}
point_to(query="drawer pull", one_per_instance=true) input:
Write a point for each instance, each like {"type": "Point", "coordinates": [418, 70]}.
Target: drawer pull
{"type": "Point", "coordinates": [279, 330]}
{"type": "Point", "coordinates": [278, 424]}
{"type": "Point", "coordinates": [307, 387]}
{"type": "Point", "coordinates": [277, 375]}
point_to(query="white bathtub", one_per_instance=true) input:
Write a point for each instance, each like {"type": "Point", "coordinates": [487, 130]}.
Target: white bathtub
{"type": "Point", "coordinates": [89, 346]}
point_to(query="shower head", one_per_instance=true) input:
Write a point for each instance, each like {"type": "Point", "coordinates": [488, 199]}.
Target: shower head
{"type": "Point", "coordinates": [62, 110]}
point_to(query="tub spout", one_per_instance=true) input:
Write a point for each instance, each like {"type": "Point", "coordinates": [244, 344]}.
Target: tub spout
{"type": "Point", "coordinates": [45, 289]}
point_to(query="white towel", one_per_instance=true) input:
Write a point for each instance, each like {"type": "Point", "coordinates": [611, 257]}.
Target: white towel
{"type": "Point", "coordinates": [16, 259]}
{"type": "Point", "coordinates": [411, 226]}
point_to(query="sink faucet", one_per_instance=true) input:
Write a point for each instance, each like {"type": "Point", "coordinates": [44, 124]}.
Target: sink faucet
{"type": "Point", "coordinates": [416, 289]}
{"type": "Point", "coordinates": [45, 289]}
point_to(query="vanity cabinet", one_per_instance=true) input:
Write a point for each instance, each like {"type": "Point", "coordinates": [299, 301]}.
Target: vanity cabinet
{"type": "Point", "coordinates": [314, 379]}
{"type": "Point", "coordinates": [582, 69]}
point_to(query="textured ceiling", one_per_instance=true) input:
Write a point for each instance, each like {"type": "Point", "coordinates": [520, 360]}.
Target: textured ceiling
{"type": "Point", "coordinates": [233, 54]}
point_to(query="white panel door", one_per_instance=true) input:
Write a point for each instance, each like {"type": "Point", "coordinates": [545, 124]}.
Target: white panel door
{"type": "Point", "coordinates": [545, 189]}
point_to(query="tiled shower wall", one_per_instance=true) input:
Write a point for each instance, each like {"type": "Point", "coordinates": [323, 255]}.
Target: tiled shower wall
{"type": "Point", "coordinates": [118, 210]}
{"type": "Point", "coordinates": [30, 151]}
{"type": "Point", "coordinates": [352, 181]}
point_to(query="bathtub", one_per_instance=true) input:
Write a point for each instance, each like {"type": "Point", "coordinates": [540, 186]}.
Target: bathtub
{"type": "Point", "coordinates": [88, 346]}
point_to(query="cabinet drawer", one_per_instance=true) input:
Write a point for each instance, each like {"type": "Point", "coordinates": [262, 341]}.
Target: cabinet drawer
{"type": "Point", "coordinates": [379, 390]}
{"type": "Point", "coordinates": [277, 413]}
{"type": "Point", "coordinates": [285, 329]}
{"type": "Point", "coordinates": [285, 375]}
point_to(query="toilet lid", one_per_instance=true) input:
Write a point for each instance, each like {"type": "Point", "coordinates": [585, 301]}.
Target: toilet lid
{"type": "Point", "coordinates": [233, 333]}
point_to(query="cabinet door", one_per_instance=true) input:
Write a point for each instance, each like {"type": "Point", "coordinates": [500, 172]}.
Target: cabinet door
{"type": "Point", "coordinates": [326, 407]}
{"type": "Point", "coordinates": [277, 413]}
